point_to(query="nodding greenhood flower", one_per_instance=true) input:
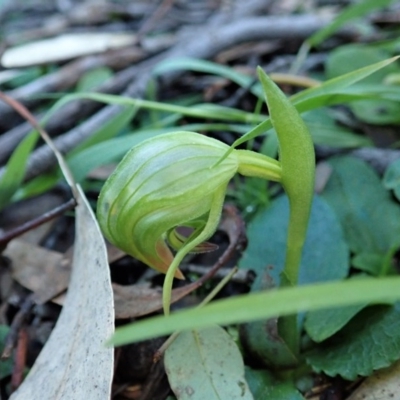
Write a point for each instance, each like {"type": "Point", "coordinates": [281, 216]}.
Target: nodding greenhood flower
{"type": "Point", "coordinates": [170, 181]}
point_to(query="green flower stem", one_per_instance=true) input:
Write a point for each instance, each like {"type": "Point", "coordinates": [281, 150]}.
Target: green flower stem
{"type": "Point", "coordinates": [207, 300]}
{"type": "Point", "coordinates": [297, 158]}
{"type": "Point", "coordinates": [258, 165]}
{"type": "Point", "coordinates": [208, 230]}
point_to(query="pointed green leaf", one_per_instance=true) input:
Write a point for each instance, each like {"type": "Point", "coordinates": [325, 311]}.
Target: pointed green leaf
{"type": "Point", "coordinates": [319, 96]}
{"type": "Point", "coordinates": [15, 170]}
{"type": "Point", "coordinates": [307, 97]}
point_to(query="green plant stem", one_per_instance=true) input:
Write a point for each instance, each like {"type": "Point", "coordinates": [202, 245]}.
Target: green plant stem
{"type": "Point", "coordinates": [258, 165]}
{"type": "Point", "coordinates": [205, 301]}
{"type": "Point", "coordinates": [288, 326]}
{"type": "Point", "coordinates": [209, 228]}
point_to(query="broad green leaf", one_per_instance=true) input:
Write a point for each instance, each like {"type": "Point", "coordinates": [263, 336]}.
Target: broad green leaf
{"type": "Point", "coordinates": [329, 92]}
{"type": "Point", "coordinates": [265, 386]}
{"type": "Point", "coordinates": [356, 10]}
{"type": "Point", "coordinates": [369, 217]}
{"type": "Point", "coordinates": [206, 364]}
{"type": "Point", "coordinates": [325, 254]}
{"type": "Point", "coordinates": [264, 305]}
{"type": "Point", "coordinates": [322, 324]}
{"type": "Point", "coordinates": [369, 342]}
{"type": "Point", "coordinates": [325, 257]}
{"type": "Point", "coordinates": [375, 263]}
{"type": "Point", "coordinates": [15, 170]}
{"type": "Point", "coordinates": [265, 345]}
{"type": "Point", "coordinates": [391, 179]}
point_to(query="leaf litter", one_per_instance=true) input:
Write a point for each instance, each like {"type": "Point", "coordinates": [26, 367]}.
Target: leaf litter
{"type": "Point", "coordinates": [51, 276]}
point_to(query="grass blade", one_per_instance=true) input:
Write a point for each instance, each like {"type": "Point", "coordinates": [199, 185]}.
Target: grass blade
{"type": "Point", "coordinates": [264, 305]}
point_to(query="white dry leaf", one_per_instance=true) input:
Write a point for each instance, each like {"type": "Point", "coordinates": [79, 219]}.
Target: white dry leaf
{"type": "Point", "coordinates": [383, 384]}
{"type": "Point", "coordinates": [64, 47]}
{"type": "Point", "coordinates": [75, 363]}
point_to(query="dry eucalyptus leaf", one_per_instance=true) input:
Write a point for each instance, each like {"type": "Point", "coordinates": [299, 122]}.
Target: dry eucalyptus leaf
{"type": "Point", "coordinates": [74, 363]}
{"type": "Point", "coordinates": [64, 47]}
{"type": "Point", "coordinates": [382, 385]}
{"type": "Point", "coordinates": [137, 300]}
{"type": "Point", "coordinates": [44, 272]}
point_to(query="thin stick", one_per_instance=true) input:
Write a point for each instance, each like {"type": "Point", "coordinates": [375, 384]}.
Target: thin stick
{"type": "Point", "coordinates": [35, 222]}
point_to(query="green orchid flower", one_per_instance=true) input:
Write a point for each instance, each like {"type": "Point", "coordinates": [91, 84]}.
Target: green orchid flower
{"type": "Point", "coordinates": [170, 181]}
{"type": "Point", "coordinates": [180, 179]}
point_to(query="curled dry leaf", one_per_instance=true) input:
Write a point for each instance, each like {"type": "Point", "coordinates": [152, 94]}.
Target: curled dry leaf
{"type": "Point", "coordinates": [43, 271]}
